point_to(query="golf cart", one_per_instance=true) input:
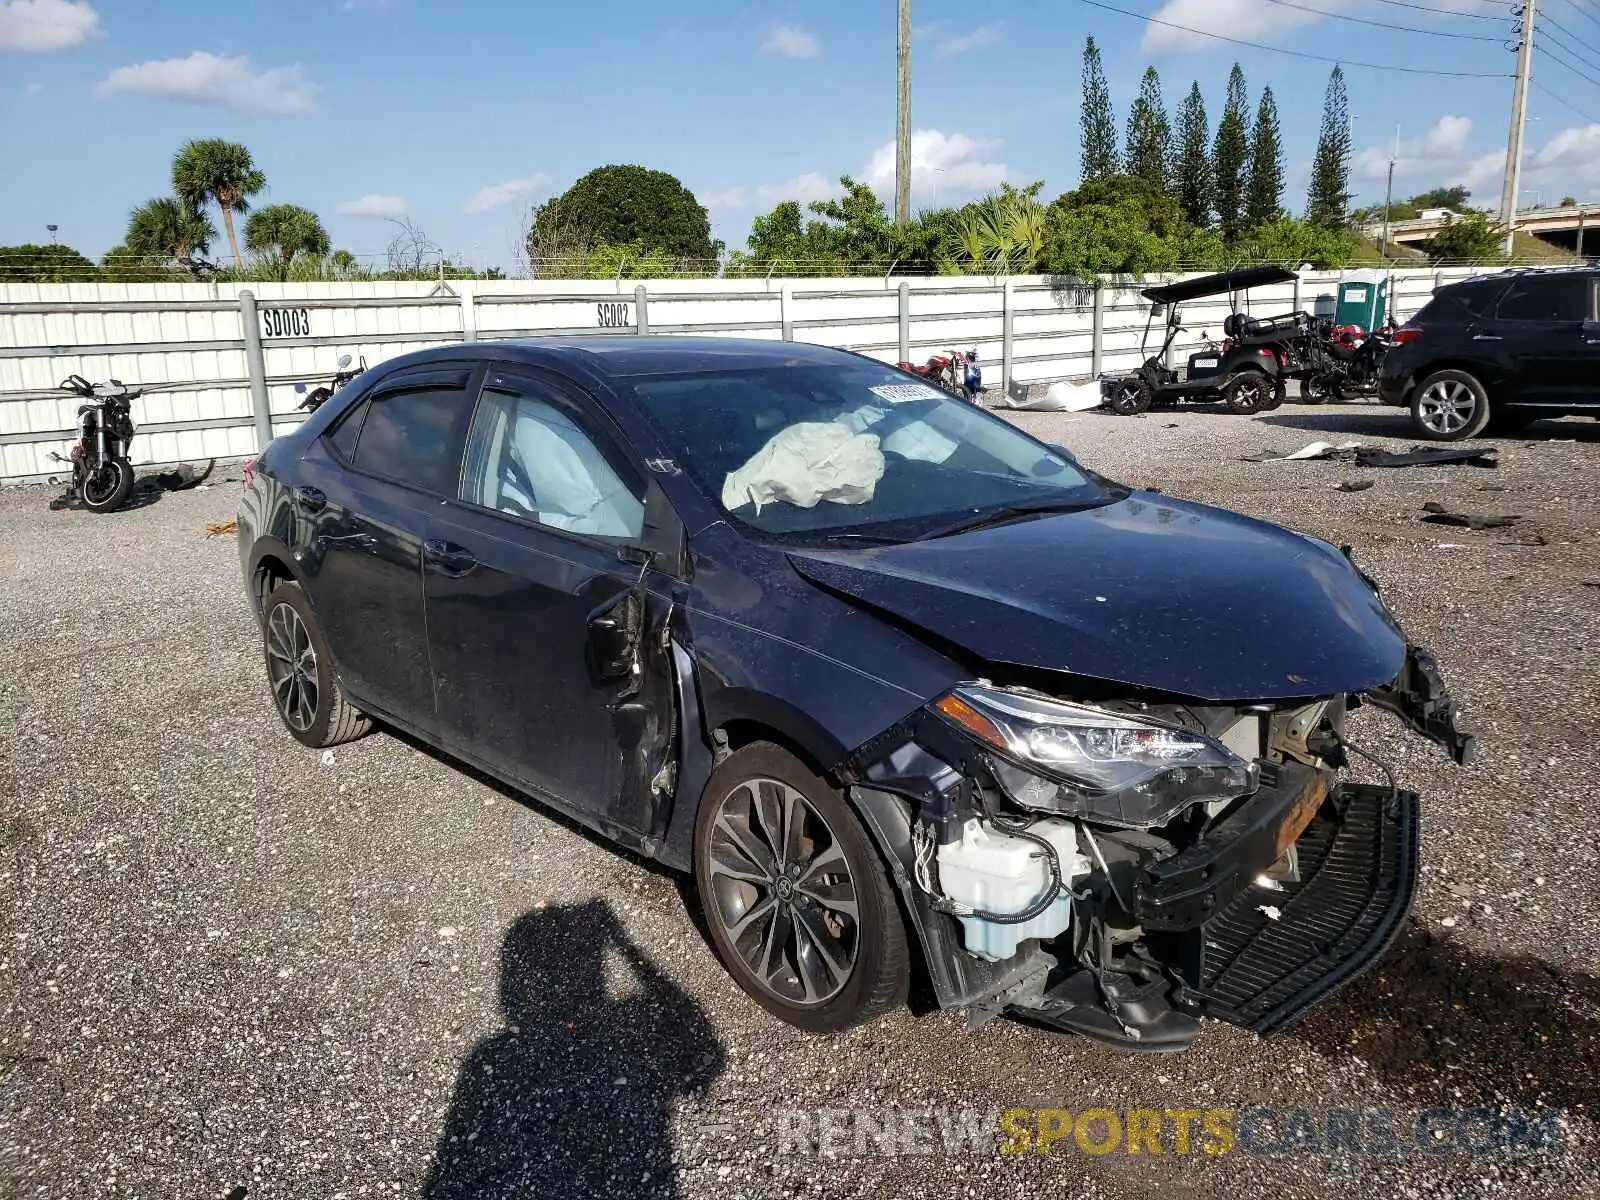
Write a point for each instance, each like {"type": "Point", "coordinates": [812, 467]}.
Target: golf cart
{"type": "Point", "coordinates": [1246, 372]}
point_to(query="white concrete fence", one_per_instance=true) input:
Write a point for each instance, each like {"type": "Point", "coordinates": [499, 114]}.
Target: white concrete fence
{"type": "Point", "coordinates": [219, 362]}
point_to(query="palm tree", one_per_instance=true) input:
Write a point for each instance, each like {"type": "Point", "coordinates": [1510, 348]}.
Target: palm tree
{"type": "Point", "coordinates": [224, 172]}
{"type": "Point", "coordinates": [169, 228]}
{"type": "Point", "coordinates": [288, 230]}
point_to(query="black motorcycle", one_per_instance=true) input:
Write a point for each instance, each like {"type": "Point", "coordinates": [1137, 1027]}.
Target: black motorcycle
{"type": "Point", "coordinates": [321, 395]}
{"type": "Point", "coordinates": [1343, 364]}
{"type": "Point", "coordinates": [102, 476]}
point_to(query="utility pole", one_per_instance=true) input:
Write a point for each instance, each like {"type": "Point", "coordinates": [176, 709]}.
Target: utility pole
{"type": "Point", "coordinates": [1388, 196]}
{"type": "Point", "coordinates": [902, 136]}
{"type": "Point", "coordinates": [1519, 115]}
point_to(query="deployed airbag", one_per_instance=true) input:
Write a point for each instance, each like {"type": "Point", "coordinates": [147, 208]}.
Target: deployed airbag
{"type": "Point", "coordinates": [806, 464]}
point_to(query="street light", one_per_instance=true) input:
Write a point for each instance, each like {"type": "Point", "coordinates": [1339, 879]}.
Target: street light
{"type": "Point", "coordinates": [933, 202]}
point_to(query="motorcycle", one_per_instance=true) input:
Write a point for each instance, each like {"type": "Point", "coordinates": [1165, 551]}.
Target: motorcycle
{"type": "Point", "coordinates": [102, 475]}
{"type": "Point", "coordinates": [321, 395]}
{"type": "Point", "coordinates": [957, 372]}
{"type": "Point", "coordinates": [1344, 363]}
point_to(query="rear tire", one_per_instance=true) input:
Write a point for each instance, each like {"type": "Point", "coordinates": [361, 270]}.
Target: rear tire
{"type": "Point", "coordinates": [1130, 397]}
{"type": "Point", "coordinates": [771, 837]}
{"type": "Point", "coordinates": [1280, 392]}
{"type": "Point", "coordinates": [109, 488]}
{"type": "Point", "coordinates": [300, 669]}
{"type": "Point", "coordinates": [1247, 393]}
{"type": "Point", "coordinates": [1450, 406]}
{"type": "Point", "coordinates": [1315, 389]}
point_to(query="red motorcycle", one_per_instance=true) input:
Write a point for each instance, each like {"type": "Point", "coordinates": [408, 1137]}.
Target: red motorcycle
{"type": "Point", "coordinates": [957, 373]}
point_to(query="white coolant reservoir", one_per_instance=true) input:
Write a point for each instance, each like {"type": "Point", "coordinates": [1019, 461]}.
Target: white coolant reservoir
{"type": "Point", "coordinates": [991, 870]}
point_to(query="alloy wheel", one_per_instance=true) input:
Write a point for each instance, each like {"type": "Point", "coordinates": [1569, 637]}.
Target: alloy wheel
{"type": "Point", "coordinates": [1447, 406]}
{"type": "Point", "coordinates": [292, 667]}
{"type": "Point", "coordinates": [783, 892]}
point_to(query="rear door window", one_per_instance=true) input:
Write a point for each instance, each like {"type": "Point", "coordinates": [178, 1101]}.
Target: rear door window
{"type": "Point", "coordinates": [343, 435]}
{"type": "Point", "coordinates": [409, 436]}
{"type": "Point", "coordinates": [1547, 299]}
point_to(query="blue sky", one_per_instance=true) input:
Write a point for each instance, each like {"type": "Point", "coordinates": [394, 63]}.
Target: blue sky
{"type": "Point", "coordinates": [459, 114]}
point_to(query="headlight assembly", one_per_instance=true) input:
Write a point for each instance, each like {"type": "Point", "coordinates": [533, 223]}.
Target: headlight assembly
{"type": "Point", "coordinates": [1085, 762]}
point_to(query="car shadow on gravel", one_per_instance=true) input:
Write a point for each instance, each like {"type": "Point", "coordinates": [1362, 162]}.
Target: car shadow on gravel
{"type": "Point", "coordinates": [1454, 1026]}
{"type": "Point", "coordinates": [1396, 423]}
{"type": "Point", "coordinates": [574, 1095]}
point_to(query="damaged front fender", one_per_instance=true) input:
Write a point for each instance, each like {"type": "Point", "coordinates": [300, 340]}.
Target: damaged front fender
{"type": "Point", "coordinates": [1418, 696]}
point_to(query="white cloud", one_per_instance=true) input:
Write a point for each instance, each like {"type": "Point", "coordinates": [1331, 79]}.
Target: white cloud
{"type": "Point", "coordinates": [373, 204]}
{"type": "Point", "coordinates": [802, 188]}
{"type": "Point", "coordinates": [39, 25]}
{"type": "Point", "coordinates": [498, 195]}
{"type": "Point", "coordinates": [789, 41]}
{"type": "Point", "coordinates": [1226, 17]}
{"type": "Point", "coordinates": [1439, 151]}
{"type": "Point", "coordinates": [1482, 172]}
{"type": "Point", "coordinates": [1575, 147]}
{"type": "Point", "coordinates": [983, 35]}
{"type": "Point", "coordinates": [1448, 136]}
{"type": "Point", "coordinates": [941, 161]}
{"type": "Point", "coordinates": [211, 80]}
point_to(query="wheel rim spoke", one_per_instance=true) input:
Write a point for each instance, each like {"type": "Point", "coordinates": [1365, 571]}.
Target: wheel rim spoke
{"type": "Point", "coordinates": [781, 889]}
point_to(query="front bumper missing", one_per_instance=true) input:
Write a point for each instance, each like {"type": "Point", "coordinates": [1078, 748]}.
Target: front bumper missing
{"type": "Point", "coordinates": [1241, 947]}
{"type": "Point", "coordinates": [1274, 948]}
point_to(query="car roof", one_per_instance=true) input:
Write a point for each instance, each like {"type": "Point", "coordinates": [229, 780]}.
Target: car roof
{"type": "Point", "coordinates": [624, 356]}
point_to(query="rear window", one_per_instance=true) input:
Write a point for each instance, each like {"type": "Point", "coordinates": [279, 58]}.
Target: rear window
{"type": "Point", "coordinates": [407, 437]}
{"type": "Point", "coordinates": [1470, 300]}
{"type": "Point", "coordinates": [1548, 298]}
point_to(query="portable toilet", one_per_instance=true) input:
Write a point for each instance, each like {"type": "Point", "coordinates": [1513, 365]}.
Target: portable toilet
{"type": "Point", "coordinates": [1363, 299]}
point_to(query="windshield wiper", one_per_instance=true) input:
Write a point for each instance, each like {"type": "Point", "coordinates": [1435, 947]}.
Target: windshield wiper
{"type": "Point", "coordinates": [1004, 515]}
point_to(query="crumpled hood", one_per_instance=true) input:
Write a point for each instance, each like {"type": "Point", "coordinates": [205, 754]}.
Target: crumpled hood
{"type": "Point", "coordinates": [1152, 592]}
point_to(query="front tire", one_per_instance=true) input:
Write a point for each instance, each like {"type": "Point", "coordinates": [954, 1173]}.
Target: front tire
{"type": "Point", "coordinates": [795, 896]}
{"type": "Point", "coordinates": [1450, 406]}
{"type": "Point", "coordinates": [305, 686]}
{"type": "Point", "coordinates": [108, 488]}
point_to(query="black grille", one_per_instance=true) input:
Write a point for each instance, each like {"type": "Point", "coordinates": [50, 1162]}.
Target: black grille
{"type": "Point", "coordinates": [1358, 874]}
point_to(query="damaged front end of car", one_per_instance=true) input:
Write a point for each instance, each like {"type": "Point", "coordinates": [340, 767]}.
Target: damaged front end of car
{"type": "Point", "coordinates": [1121, 869]}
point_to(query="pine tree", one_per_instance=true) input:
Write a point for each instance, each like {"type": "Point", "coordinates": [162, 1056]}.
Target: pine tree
{"type": "Point", "coordinates": [1328, 199]}
{"type": "Point", "coordinates": [1149, 134]}
{"type": "Point", "coordinates": [1228, 161]}
{"type": "Point", "coordinates": [1265, 196]}
{"type": "Point", "coordinates": [1192, 167]}
{"type": "Point", "coordinates": [1099, 127]}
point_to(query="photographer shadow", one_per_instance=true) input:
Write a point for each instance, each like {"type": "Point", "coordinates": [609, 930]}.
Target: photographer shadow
{"type": "Point", "coordinates": [1454, 1026]}
{"type": "Point", "coordinates": [573, 1096]}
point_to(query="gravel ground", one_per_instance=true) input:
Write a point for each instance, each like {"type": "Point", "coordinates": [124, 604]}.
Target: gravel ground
{"type": "Point", "coordinates": [233, 967]}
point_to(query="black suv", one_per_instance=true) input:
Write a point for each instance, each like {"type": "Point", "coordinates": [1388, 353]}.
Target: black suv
{"type": "Point", "coordinates": [1499, 352]}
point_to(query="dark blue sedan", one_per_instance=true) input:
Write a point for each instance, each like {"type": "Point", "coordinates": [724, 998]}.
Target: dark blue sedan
{"type": "Point", "coordinates": [893, 679]}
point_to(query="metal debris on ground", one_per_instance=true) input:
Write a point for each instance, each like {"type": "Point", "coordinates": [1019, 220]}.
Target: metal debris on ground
{"type": "Point", "coordinates": [1376, 456]}
{"type": "Point", "coordinates": [1437, 514]}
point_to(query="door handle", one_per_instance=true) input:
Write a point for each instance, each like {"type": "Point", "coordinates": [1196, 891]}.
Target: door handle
{"type": "Point", "coordinates": [1487, 337]}
{"type": "Point", "coordinates": [447, 558]}
{"type": "Point", "coordinates": [310, 499]}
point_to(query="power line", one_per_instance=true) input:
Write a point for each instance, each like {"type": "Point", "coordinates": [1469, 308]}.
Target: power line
{"type": "Point", "coordinates": [1322, 12]}
{"type": "Point", "coordinates": [1445, 12]}
{"type": "Point", "coordinates": [1565, 65]}
{"type": "Point", "coordinates": [1547, 19]}
{"type": "Point", "coordinates": [1557, 97]}
{"type": "Point", "coordinates": [1298, 53]}
{"type": "Point", "coordinates": [1583, 10]}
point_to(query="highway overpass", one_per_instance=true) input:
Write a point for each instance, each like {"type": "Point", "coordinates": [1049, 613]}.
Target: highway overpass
{"type": "Point", "coordinates": [1575, 228]}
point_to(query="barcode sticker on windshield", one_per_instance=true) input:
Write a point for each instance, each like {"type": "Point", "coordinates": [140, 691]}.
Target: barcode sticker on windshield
{"type": "Point", "coordinates": [899, 393]}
